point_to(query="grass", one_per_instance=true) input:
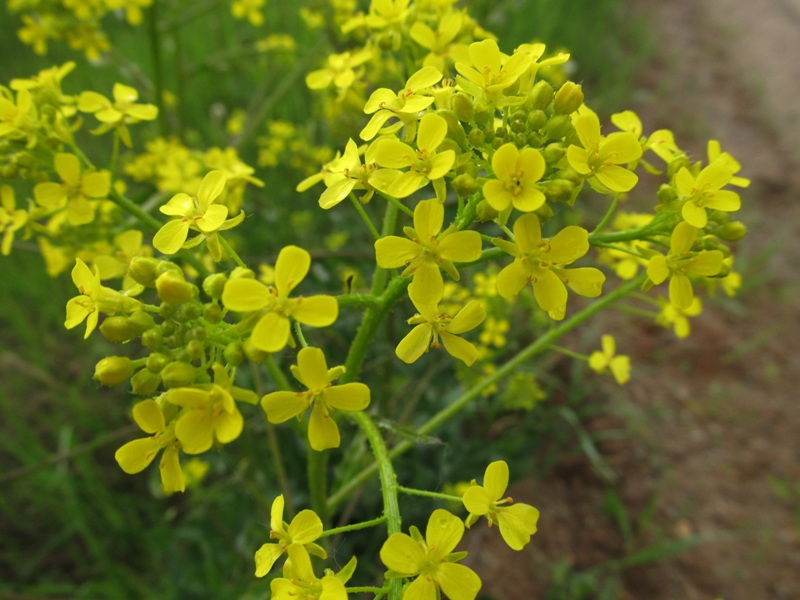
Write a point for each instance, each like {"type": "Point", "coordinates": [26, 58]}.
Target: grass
{"type": "Point", "coordinates": [76, 526]}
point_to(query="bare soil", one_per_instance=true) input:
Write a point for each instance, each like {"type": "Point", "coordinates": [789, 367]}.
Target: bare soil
{"type": "Point", "coordinates": [712, 422]}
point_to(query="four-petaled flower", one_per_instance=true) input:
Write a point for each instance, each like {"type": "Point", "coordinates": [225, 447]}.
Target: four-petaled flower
{"type": "Point", "coordinates": [302, 531]}
{"type": "Point", "coordinates": [94, 299]}
{"type": "Point", "coordinates": [300, 581]}
{"type": "Point", "coordinates": [425, 163]}
{"type": "Point", "coordinates": [601, 156]}
{"type": "Point", "coordinates": [705, 191]}
{"type": "Point", "coordinates": [491, 70]}
{"type": "Point", "coordinates": [517, 522]}
{"type": "Point", "coordinates": [681, 261]}
{"type": "Point", "coordinates": [136, 455]}
{"type": "Point", "coordinates": [199, 213]}
{"type": "Point", "coordinates": [75, 190]}
{"type": "Point", "coordinates": [606, 360]}
{"type": "Point", "coordinates": [541, 262]}
{"type": "Point", "coordinates": [431, 560]}
{"type": "Point", "coordinates": [121, 112]}
{"type": "Point", "coordinates": [342, 70]}
{"type": "Point", "coordinates": [272, 331]}
{"type": "Point", "coordinates": [312, 371]}
{"type": "Point", "coordinates": [11, 218]}
{"type": "Point", "coordinates": [432, 323]}
{"type": "Point", "coordinates": [516, 174]}
{"type": "Point", "coordinates": [428, 248]}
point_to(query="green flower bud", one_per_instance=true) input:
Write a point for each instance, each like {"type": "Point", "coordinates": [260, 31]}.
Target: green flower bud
{"type": "Point", "coordinates": [156, 362]}
{"type": "Point", "coordinates": [195, 349]}
{"type": "Point", "coordinates": [518, 125]}
{"type": "Point", "coordinates": [558, 126]}
{"type": "Point", "coordinates": [152, 339]}
{"type": "Point", "coordinates": [541, 95]}
{"type": "Point", "coordinates": [214, 284]}
{"type": "Point", "coordinates": [462, 106]}
{"type": "Point", "coordinates": [559, 190]}
{"type": "Point", "coordinates": [174, 289]}
{"type": "Point", "coordinates": [553, 153]}
{"type": "Point", "coordinates": [570, 174]}
{"type": "Point", "coordinates": [118, 329]}
{"type": "Point", "coordinates": [243, 272]}
{"type": "Point", "coordinates": [113, 370]}
{"type": "Point", "coordinates": [189, 312]}
{"type": "Point", "coordinates": [165, 265]}
{"type": "Point", "coordinates": [455, 131]}
{"type": "Point", "coordinates": [534, 139]}
{"type": "Point", "coordinates": [709, 242]}
{"type": "Point", "coordinates": [141, 320]}
{"type": "Point", "coordinates": [666, 194]}
{"type": "Point", "coordinates": [143, 270]}
{"type": "Point", "coordinates": [536, 119]}
{"type": "Point", "coordinates": [486, 212]}
{"type": "Point", "coordinates": [234, 354]}
{"type": "Point", "coordinates": [178, 374]}
{"type": "Point", "coordinates": [568, 99]}
{"type": "Point", "coordinates": [520, 140]}
{"type": "Point", "coordinates": [465, 185]}
{"type": "Point", "coordinates": [476, 137]}
{"type": "Point", "coordinates": [253, 353]}
{"type": "Point", "coordinates": [732, 232]}
{"type": "Point", "coordinates": [544, 213]}
{"type": "Point", "coordinates": [212, 313]}
{"type": "Point", "coordinates": [676, 164]}
{"type": "Point", "coordinates": [144, 382]}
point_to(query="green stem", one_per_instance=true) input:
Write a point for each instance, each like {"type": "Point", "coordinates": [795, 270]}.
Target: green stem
{"type": "Point", "coordinates": [358, 301]}
{"type": "Point", "coordinates": [609, 213]}
{"type": "Point", "coordinates": [525, 355]}
{"type": "Point", "coordinates": [568, 352]}
{"type": "Point", "coordinates": [129, 206]}
{"type": "Point", "coordinates": [364, 216]}
{"type": "Point", "coordinates": [318, 483]}
{"type": "Point", "coordinates": [298, 332]}
{"type": "Point", "coordinates": [230, 251]}
{"type": "Point", "coordinates": [280, 380]}
{"type": "Point", "coordinates": [353, 527]}
{"type": "Point", "coordinates": [158, 67]}
{"type": "Point", "coordinates": [112, 167]}
{"type": "Point", "coordinates": [427, 494]}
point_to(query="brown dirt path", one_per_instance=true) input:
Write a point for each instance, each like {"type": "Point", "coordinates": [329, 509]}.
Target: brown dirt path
{"type": "Point", "coordinates": [713, 421]}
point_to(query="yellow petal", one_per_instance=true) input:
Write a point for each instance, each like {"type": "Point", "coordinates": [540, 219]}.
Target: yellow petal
{"type": "Point", "coordinates": [245, 295]}
{"type": "Point", "coordinates": [170, 238]}
{"type": "Point", "coordinates": [549, 290]}
{"type": "Point", "coordinates": [348, 396]}
{"type": "Point", "coordinates": [323, 433]}
{"type": "Point", "coordinates": [271, 333]}
{"type": "Point", "coordinates": [313, 368]}
{"type": "Point", "coordinates": [459, 348]}
{"type": "Point", "coordinates": [495, 479]}
{"type": "Point", "coordinates": [462, 246]}
{"type": "Point", "coordinates": [415, 343]}
{"type": "Point", "coordinates": [468, 318]}
{"type": "Point", "coordinates": [680, 291]}
{"type": "Point", "coordinates": [148, 416]}
{"type": "Point", "coordinates": [316, 311]}
{"type": "Point", "coordinates": [428, 219]}
{"type": "Point", "coordinates": [290, 269]}
{"type": "Point", "coordinates": [211, 187]}
{"type": "Point", "coordinates": [392, 251]}
{"type": "Point", "coordinates": [135, 456]}
{"type": "Point", "coordinates": [194, 430]}
{"type": "Point", "coordinates": [282, 406]}
{"type": "Point", "coordinates": [586, 281]}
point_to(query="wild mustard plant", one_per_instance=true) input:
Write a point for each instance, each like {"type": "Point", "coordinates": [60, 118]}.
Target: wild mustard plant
{"type": "Point", "coordinates": [482, 158]}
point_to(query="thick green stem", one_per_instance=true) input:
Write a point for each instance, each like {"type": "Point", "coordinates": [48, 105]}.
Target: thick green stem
{"type": "Point", "coordinates": [318, 483]}
{"type": "Point", "coordinates": [537, 347]}
{"type": "Point", "coordinates": [158, 67]}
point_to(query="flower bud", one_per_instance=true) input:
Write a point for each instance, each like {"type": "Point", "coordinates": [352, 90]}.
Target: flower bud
{"type": "Point", "coordinates": [544, 213]}
{"type": "Point", "coordinates": [118, 329]}
{"type": "Point", "coordinates": [152, 339]}
{"type": "Point", "coordinates": [518, 125]}
{"type": "Point", "coordinates": [253, 353]}
{"type": "Point", "coordinates": [214, 284]}
{"type": "Point", "coordinates": [195, 349]}
{"type": "Point", "coordinates": [536, 119]}
{"type": "Point", "coordinates": [462, 106]}
{"type": "Point", "coordinates": [558, 126]}
{"type": "Point", "coordinates": [465, 185]}
{"type": "Point", "coordinates": [541, 95]}
{"type": "Point", "coordinates": [732, 232]}
{"type": "Point", "coordinates": [455, 131]}
{"type": "Point", "coordinates": [559, 190]}
{"type": "Point", "coordinates": [476, 137]}
{"type": "Point", "coordinates": [666, 194]}
{"type": "Point", "coordinates": [143, 270]}
{"type": "Point", "coordinates": [568, 99]}
{"type": "Point", "coordinates": [234, 354]}
{"type": "Point", "coordinates": [212, 313]}
{"type": "Point", "coordinates": [144, 382]}
{"type": "Point", "coordinates": [141, 320]}
{"type": "Point", "coordinates": [174, 289]}
{"type": "Point", "coordinates": [178, 374]}
{"type": "Point", "coordinates": [156, 362]}
{"type": "Point", "coordinates": [486, 212]}
{"type": "Point", "coordinates": [243, 272]}
{"type": "Point", "coordinates": [553, 153]}
{"type": "Point", "coordinates": [113, 370]}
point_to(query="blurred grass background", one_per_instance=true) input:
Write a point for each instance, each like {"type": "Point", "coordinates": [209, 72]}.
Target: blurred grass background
{"type": "Point", "coordinates": [72, 524]}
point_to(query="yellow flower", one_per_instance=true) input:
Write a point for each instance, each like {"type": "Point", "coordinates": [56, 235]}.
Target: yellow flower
{"type": "Point", "coordinates": [312, 371]}
{"type": "Point", "coordinates": [94, 299]}
{"type": "Point", "coordinates": [440, 42]}
{"type": "Point", "coordinates": [600, 157]}
{"type": "Point", "coordinates": [661, 142]}
{"type": "Point", "coordinates": [681, 261]}
{"type": "Point", "coordinates": [209, 412]}
{"type": "Point", "coordinates": [300, 581]}
{"type": "Point", "coordinates": [248, 9]}
{"type": "Point", "coordinates": [136, 455]}
{"type": "Point", "coordinates": [11, 218]}
{"type": "Point", "coordinates": [77, 191]}
{"type": "Point", "coordinates": [200, 213]}
{"type": "Point", "coordinates": [678, 318]}
{"type": "Point", "coordinates": [517, 522]}
{"type": "Point", "coordinates": [516, 174]}
{"type": "Point", "coordinates": [606, 360]}
{"type": "Point", "coordinates": [542, 261]}
{"type": "Point", "coordinates": [431, 560]}
{"type": "Point", "coordinates": [715, 153]}
{"type": "Point", "coordinates": [705, 191]}
{"type": "Point", "coordinates": [18, 119]}
{"type": "Point", "coordinates": [302, 531]}
{"type": "Point", "coordinates": [426, 164]}
{"type": "Point", "coordinates": [121, 112]}
{"type": "Point", "coordinates": [342, 70]}
{"type": "Point", "coordinates": [491, 70]}
{"type": "Point", "coordinates": [405, 105]}
{"type": "Point", "coordinates": [432, 323]}
{"type": "Point", "coordinates": [272, 331]}
{"type": "Point", "coordinates": [428, 247]}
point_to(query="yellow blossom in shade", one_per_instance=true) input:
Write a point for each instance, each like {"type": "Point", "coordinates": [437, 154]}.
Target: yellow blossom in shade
{"type": "Point", "coordinates": [680, 262]}
{"type": "Point", "coordinates": [431, 560]}
{"type": "Point", "coordinates": [136, 455]}
{"type": "Point", "coordinates": [127, 246]}
{"type": "Point", "coordinates": [95, 298]}
{"type": "Point", "coordinates": [300, 581]}
{"type": "Point", "coordinates": [312, 371]}
{"type": "Point", "coordinates": [678, 318]}
{"type": "Point", "coordinates": [341, 71]}
{"type": "Point", "coordinates": [431, 323]}
{"type": "Point", "coordinates": [494, 332]}
{"type": "Point", "coordinates": [427, 247]}
{"type": "Point", "coordinates": [601, 156]}
{"type": "Point", "coordinates": [661, 142]}
{"type": "Point", "coordinates": [534, 52]}
{"type": "Point", "coordinates": [76, 192]}
{"type": "Point", "coordinates": [209, 412]}
{"type": "Point", "coordinates": [18, 119]}
{"type": "Point", "coordinates": [542, 262]}
{"type": "Point", "coordinates": [121, 112]}
{"type": "Point", "coordinates": [705, 191]}
{"type": "Point", "coordinates": [439, 43]}
{"type": "Point", "coordinates": [12, 218]}
{"type": "Point", "coordinates": [346, 173]}
{"type": "Point", "coordinates": [607, 361]}
{"type": "Point", "coordinates": [715, 153]}
{"type": "Point", "coordinates": [425, 163]}
{"type": "Point", "coordinates": [406, 105]}
{"type": "Point", "coordinates": [516, 174]}
{"type": "Point", "coordinates": [272, 331]}
{"type": "Point", "coordinates": [248, 9]}
{"type": "Point", "coordinates": [200, 213]}
{"type": "Point", "coordinates": [491, 70]}
{"type": "Point", "coordinates": [517, 522]}
{"type": "Point", "coordinates": [304, 529]}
